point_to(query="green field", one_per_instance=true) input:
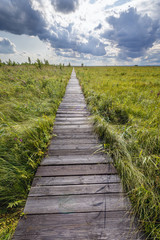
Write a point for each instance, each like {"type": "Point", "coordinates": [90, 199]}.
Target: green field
{"type": "Point", "coordinates": [125, 103]}
{"type": "Point", "coordinates": [29, 98]}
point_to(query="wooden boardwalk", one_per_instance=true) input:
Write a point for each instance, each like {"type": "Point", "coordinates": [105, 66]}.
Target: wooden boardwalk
{"type": "Point", "coordinates": [76, 193]}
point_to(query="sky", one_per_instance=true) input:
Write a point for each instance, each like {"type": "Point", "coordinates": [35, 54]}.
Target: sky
{"type": "Point", "coordinates": [92, 32]}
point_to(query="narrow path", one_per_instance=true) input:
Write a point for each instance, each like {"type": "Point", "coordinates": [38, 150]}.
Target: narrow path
{"type": "Point", "coordinates": [76, 193]}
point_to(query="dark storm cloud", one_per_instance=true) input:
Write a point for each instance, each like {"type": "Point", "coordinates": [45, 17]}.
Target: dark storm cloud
{"type": "Point", "coordinates": [18, 17]}
{"type": "Point", "coordinates": [6, 47]}
{"type": "Point", "coordinates": [98, 27]}
{"type": "Point", "coordinates": [65, 6]}
{"type": "Point", "coordinates": [132, 32]}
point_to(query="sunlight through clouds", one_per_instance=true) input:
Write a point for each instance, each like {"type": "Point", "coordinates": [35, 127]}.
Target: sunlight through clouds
{"type": "Point", "coordinates": [90, 27]}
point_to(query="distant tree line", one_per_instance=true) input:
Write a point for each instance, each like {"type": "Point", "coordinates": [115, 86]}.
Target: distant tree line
{"type": "Point", "coordinates": [38, 63]}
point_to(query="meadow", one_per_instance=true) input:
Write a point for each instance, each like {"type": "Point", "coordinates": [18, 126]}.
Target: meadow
{"type": "Point", "coordinates": [125, 104]}
{"type": "Point", "coordinates": [29, 98]}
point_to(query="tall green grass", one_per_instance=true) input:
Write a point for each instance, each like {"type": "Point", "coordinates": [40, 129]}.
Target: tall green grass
{"type": "Point", "coordinates": [125, 103]}
{"type": "Point", "coordinates": [29, 98]}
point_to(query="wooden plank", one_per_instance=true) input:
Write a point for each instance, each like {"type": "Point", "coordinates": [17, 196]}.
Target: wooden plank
{"type": "Point", "coordinates": [75, 180]}
{"type": "Point", "coordinates": [73, 126]}
{"type": "Point", "coordinates": [97, 234]}
{"type": "Point", "coordinates": [71, 102]}
{"type": "Point", "coordinates": [79, 100]}
{"type": "Point", "coordinates": [73, 135]}
{"type": "Point", "coordinates": [78, 106]}
{"type": "Point", "coordinates": [75, 189]}
{"type": "Point", "coordinates": [72, 110]}
{"type": "Point", "coordinates": [74, 130]}
{"type": "Point", "coordinates": [68, 152]}
{"type": "Point", "coordinates": [73, 91]}
{"type": "Point", "coordinates": [75, 106]}
{"type": "Point", "coordinates": [76, 146]}
{"type": "Point", "coordinates": [70, 119]}
{"type": "Point", "coordinates": [83, 112]}
{"type": "Point", "coordinates": [75, 159]}
{"type": "Point", "coordinates": [73, 122]}
{"type": "Point", "coordinates": [76, 224]}
{"type": "Point", "coordinates": [57, 141]}
{"type": "Point", "coordinates": [68, 115]}
{"type": "Point", "coordinates": [76, 203]}
{"type": "Point", "coordinates": [73, 170]}
{"type": "Point", "coordinates": [74, 149]}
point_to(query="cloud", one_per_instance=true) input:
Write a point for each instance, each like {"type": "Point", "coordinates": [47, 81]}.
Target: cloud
{"type": "Point", "coordinates": [132, 32]}
{"type": "Point", "coordinates": [93, 46]}
{"type": "Point", "coordinates": [6, 46]}
{"type": "Point", "coordinates": [118, 3]}
{"type": "Point", "coordinates": [65, 6]}
{"type": "Point", "coordinates": [18, 17]}
{"type": "Point", "coordinates": [98, 27]}
{"type": "Point", "coordinates": [64, 41]}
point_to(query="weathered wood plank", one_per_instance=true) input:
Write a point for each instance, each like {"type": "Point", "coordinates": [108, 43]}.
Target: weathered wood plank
{"type": "Point", "coordinates": [77, 149]}
{"type": "Point", "coordinates": [70, 119]}
{"type": "Point", "coordinates": [78, 106]}
{"type": "Point", "coordinates": [73, 170]}
{"type": "Point", "coordinates": [75, 189]}
{"type": "Point", "coordinates": [57, 141]}
{"type": "Point", "coordinates": [73, 113]}
{"type": "Point", "coordinates": [75, 180]}
{"type": "Point", "coordinates": [73, 126]}
{"type": "Point", "coordinates": [71, 110]}
{"type": "Point", "coordinates": [74, 106]}
{"type": "Point", "coordinates": [72, 100]}
{"type": "Point", "coordinates": [69, 135]}
{"type": "Point", "coordinates": [75, 159]}
{"type": "Point", "coordinates": [76, 203]}
{"type": "Point", "coordinates": [83, 234]}
{"type": "Point", "coordinates": [71, 152]}
{"type": "Point", "coordinates": [74, 130]}
{"type": "Point", "coordinates": [77, 226]}
{"type": "Point", "coordinates": [75, 146]}
{"type": "Point", "coordinates": [73, 122]}
{"type": "Point", "coordinates": [69, 115]}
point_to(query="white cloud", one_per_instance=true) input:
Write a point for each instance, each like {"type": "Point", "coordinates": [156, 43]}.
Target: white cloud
{"type": "Point", "coordinates": [6, 46]}
{"type": "Point", "coordinates": [73, 29]}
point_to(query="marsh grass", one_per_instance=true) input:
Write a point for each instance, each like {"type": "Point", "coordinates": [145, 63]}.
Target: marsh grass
{"type": "Point", "coordinates": [125, 104]}
{"type": "Point", "coordinates": [29, 99]}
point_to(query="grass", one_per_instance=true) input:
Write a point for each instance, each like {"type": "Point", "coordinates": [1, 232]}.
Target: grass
{"type": "Point", "coordinates": [29, 99]}
{"type": "Point", "coordinates": [125, 103]}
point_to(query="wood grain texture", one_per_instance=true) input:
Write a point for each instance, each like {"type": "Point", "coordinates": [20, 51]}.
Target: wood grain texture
{"type": "Point", "coordinates": [75, 190]}
{"type": "Point", "coordinates": [73, 170]}
{"type": "Point", "coordinates": [75, 159]}
{"type": "Point", "coordinates": [75, 180]}
{"type": "Point", "coordinates": [73, 122]}
{"type": "Point", "coordinates": [73, 126]}
{"type": "Point", "coordinates": [76, 203]}
{"type": "Point", "coordinates": [77, 226]}
{"type": "Point", "coordinates": [73, 141]}
{"type": "Point", "coordinates": [74, 135]}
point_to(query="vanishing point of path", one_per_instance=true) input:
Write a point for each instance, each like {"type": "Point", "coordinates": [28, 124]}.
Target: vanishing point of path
{"type": "Point", "coordinates": [76, 193]}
